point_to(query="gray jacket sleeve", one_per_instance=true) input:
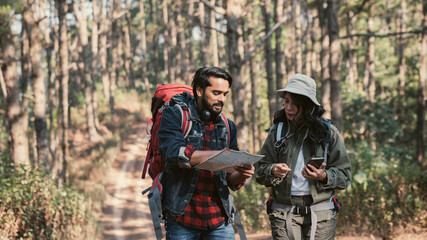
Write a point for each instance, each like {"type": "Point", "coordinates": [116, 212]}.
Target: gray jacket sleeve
{"type": "Point", "coordinates": [338, 168]}
{"type": "Point", "coordinates": [263, 167]}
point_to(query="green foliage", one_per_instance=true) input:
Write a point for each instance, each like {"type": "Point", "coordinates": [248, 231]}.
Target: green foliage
{"type": "Point", "coordinates": [33, 206]}
{"type": "Point", "coordinates": [250, 202]}
{"type": "Point", "coordinates": [385, 191]}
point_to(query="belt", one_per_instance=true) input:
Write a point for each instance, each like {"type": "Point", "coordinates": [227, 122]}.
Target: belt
{"type": "Point", "coordinates": [304, 210]}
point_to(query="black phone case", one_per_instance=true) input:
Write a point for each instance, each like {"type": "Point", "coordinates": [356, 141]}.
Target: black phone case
{"type": "Point", "coordinates": [316, 163]}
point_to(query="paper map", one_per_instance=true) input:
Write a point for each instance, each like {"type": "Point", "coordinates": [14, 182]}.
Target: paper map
{"type": "Point", "coordinates": [227, 159]}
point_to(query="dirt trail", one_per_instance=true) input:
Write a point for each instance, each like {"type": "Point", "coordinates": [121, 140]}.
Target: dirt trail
{"type": "Point", "coordinates": [126, 215]}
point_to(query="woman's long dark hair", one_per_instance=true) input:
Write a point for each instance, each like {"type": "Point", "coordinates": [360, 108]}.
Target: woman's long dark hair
{"type": "Point", "coordinates": [311, 118]}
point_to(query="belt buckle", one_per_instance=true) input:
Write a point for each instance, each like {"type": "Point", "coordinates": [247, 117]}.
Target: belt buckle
{"type": "Point", "coordinates": [302, 210]}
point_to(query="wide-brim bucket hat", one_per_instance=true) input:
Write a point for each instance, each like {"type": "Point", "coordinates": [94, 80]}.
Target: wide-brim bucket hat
{"type": "Point", "coordinates": [302, 85]}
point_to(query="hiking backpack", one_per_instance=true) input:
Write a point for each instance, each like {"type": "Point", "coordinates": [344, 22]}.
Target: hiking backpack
{"type": "Point", "coordinates": [164, 96]}
{"type": "Point", "coordinates": [159, 101]}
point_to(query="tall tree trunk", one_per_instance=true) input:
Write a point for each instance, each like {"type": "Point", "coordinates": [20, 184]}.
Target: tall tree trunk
{"type": "Point", "coordinates": [203, 52]}
{"type": "Point", "coordinates": [254, 85]}
{"type": "Point", "coordinates": [309, 44]}
{"type": "Point", "coordinates": [298, 37]}
{"type": "Point", "coordinates": [173, 43]}
{"type": "Point", "coordinates": [128, 48]}
{"type": "Point", "coordinates": [85, 59]}
{"type": "Point", "coordinates": [166, 43]}
{"type": "Point", "coordinates": [421, 101]}
{"type": "Point", "coordinates": [280, 67]}
{"type": "Point", "coordinates": [144, 53]}
{"type": "Point", "coordinates": [156, 58]}
{"type": "Point", "coordinates": [401, 44]}
{"type": "Point", "coordinates": [235, 52]}
{"type": "Point", "coordinates": [368, 78]}
{"type": "Point", "coordinates": [3, 85]}
{"type": "Point", "coordinates": [287, 51]}
{"type": "Point", "coordinates": [222, 51]}
{"type": "Point", "coordinates": [181, 56]}
{"type": "Point", "coordinates": [95, 59]}
{"type": "Point", "coordinates": [25, 78]}
{"type": "Point", "coordinates": [62, 8]}
{"type": "Point", "coordinates": [39, 85]}
{"type": "Point", "coordinates": [351, 58]}
{"type": "Point", "coordinates": [190, 61]}
{"type": "Point", "coordinates": [324, 59]}
{"type": "Point", "coordinates": [16, 114]}
{"type": "Point", "coordinates": [265, 7]}
{"type": "Point", "coordinates": [53, 86]}
{"type": "Point", "coordinates": [213, 42]}
{"type": "Point", "coordinates": [114, 46]}
{"type": "Point", "coordinates": [103, 56]}
{"type": "Point", "coordinates": [334, 65]}
{"type": "Point", "coordinates": [315, 60]}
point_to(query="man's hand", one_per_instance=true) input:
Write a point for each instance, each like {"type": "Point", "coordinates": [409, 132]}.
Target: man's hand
{"type": "Point", "coordinates": [309, 171]}
{"type": "Point", "coordinates": [280, 170]}
{"type": "Point", "coordinates": [200, 156]}
{"type": "Point", "coordinates": [242, 173]}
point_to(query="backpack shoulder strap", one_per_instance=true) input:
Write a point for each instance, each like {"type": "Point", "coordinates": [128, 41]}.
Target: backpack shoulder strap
{"type": "Point", "coordinates": [328, 123]}
{"type": "Point", "coordinates": [280, 134]}
{"type": "Point", "coordinates": [155, 205]}
{"type": "Point", "coordinates": [186, 124]}
{"type": "Point", "coordinates": [227, 126]}
{"type": "Point", "coordinates": [279, 129]}
{"type": "Point", "coordinates": [327, 140]}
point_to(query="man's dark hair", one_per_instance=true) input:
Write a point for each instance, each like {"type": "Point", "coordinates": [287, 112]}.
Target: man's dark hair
{"type": "Point", "coordinates": [201, 77]}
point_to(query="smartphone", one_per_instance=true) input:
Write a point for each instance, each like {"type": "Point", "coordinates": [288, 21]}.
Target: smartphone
{"type": "Point", "coordinates": [316, 162]}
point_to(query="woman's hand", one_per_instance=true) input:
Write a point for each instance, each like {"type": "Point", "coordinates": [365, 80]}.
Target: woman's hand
{"type": "Point", "coordinates": [246, 171]}
{"type": "Point", "coordinates": [309, 171]}
{"type": "Point", "coordinates": [242, 173]}
{"type": "Point", "coordinates": [280, 170]}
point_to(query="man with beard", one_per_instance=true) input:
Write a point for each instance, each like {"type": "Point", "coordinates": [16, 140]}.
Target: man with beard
{"type": "Point", "coordinates": [197, 203]}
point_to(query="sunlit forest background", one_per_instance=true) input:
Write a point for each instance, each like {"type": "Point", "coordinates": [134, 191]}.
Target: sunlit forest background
{"type": "Point", "coordinates": [69, 66]}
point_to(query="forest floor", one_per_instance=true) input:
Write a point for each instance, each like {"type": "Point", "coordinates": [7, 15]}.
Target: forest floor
{"type": "Point", "coordinates": [125, 211]}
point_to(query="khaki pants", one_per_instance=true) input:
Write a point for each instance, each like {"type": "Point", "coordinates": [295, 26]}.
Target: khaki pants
{"type": "Point", "coordinates": [301, 224]}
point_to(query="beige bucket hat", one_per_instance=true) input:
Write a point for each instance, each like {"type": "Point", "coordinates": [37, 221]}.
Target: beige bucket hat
{"type": "Point", "coordinates": [302, 85]}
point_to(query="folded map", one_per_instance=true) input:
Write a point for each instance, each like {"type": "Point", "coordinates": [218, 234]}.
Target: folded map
{"type": "Point", "coordinates": [227, 159]}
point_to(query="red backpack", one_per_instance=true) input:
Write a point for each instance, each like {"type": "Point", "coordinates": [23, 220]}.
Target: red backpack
{"type": "Point", "coordinates": [159, 101]}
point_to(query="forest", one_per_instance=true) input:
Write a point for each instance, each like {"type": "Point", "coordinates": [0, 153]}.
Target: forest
{"type": "Point", "coordinates": [77, 76]}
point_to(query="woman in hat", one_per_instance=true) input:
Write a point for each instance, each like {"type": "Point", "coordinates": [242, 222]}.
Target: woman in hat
{"type": "Point", "coordinates": [305, 163]}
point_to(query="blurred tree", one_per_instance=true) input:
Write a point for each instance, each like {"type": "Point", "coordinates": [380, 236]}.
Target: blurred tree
{"type": "Point", "coordinates": [84, 70]}
{"type": "Point", "coordinates": [16, 101]}
{"type": "Point", "coordinates": [234, 14]}
{"type": "Point", "coordinates": [32, 23]}
{"type": "Point", "coordinates": [421, 101]}
{"type": "Point", "coordinates": [60, 168]}
{"type": "Point", "coordinates": [334, 65]}
{"type": "Point", "coordinates": [268, 52]}
{"type": "Point", "coordinates": [280, 66]}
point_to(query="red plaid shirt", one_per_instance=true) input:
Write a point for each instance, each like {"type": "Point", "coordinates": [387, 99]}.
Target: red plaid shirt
{"type": "Point", "coordinates": [205, 210]}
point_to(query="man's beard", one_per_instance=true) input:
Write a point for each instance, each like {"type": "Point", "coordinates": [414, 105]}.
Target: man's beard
{"type": "Point", "coordinates": [209, 107]}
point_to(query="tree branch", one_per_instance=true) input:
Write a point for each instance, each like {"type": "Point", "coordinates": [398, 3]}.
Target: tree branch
{"type": "Point", "coordinates": [217, 9]}
{"type": "Point", "coordinates": [382, 35]}
{"type": "Point", "coordinates": [3, 84]}
{"type": "Point", "coordinates": [358, 10]}
{"type": "Point", "coordinates": [268, 35]}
